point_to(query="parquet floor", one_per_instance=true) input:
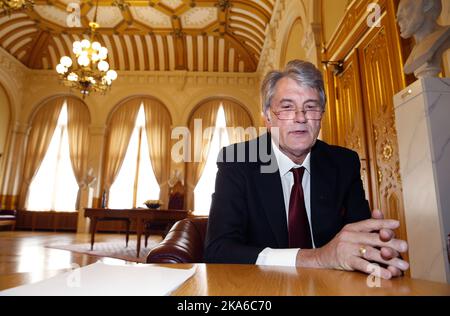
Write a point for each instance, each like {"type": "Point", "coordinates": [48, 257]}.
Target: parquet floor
{"type": "Point", "coordinates": [24, 257]}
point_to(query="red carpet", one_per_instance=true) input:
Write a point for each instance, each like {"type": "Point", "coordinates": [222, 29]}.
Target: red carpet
{"type": "Point", "coordinates": [114, 249]}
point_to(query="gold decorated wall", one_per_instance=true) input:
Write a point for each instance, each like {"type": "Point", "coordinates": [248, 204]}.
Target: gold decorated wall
{"type": "Point", "coordinates": [360, 114]}
{"type": "Point", "coordinates": [332, 13]}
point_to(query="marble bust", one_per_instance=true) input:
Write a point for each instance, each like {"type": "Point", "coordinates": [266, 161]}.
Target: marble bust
{"type": "Point", "coordinates": [418, 18]}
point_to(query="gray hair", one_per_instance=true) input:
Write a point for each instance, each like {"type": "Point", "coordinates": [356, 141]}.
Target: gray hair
{"type": "Point", "coordinates": [302, 72]}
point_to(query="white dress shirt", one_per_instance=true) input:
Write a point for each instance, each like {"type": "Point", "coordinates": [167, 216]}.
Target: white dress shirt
{"type": "Point", "coordinates": [287, 257]}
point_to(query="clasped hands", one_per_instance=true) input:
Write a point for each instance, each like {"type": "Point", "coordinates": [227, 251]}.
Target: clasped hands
{"type": "Point", "coordinates": [360, 245]}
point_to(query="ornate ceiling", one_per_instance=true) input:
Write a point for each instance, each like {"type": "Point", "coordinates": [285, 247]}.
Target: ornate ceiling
{"type": "Point", "coordinates": [193, 35]}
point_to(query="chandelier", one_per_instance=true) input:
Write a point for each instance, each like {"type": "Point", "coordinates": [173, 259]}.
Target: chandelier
{"type": "Point", "coordinates": [11, 5]}
{"type": "Point", "coordinates": [90, 72]}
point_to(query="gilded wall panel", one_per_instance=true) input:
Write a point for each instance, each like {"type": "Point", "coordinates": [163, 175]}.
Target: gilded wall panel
{"type": "Point", "coordinates": [361, 98]}
{"type": "Point", "coordinates": [350, 116]}
{"type": "Point", "coordinates": [378, 66]}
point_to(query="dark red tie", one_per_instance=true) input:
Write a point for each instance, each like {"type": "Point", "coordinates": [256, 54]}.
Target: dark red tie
{"type": "Point", "coordinates": [298, 225]}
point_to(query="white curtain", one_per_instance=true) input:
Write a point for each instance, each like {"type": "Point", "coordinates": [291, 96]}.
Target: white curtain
{"type": "Point", "coordinates": [206, 184]}
{"type": "Point", "coordinates": [41, 133]}
{"type": "Point", "coordinates": [207, 113]}
{"type": "Point", "coordinates": [54, 187]}
{"type": "Point", "coordinates": [136, 181]}
{"type": "Point", "coordinates": [157, 126]}
{"type": "Point", "coordinates": [78, 134]}
{"type": "Point", "coordinates": [238, 121]}
{"type": "Point", "coordinates": [120, 130]}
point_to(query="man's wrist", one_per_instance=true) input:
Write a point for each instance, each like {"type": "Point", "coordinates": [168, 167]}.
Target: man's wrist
{"type": "Point", "coordinates": [308, 258]}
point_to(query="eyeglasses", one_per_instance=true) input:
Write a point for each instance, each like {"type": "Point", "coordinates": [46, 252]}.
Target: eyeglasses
{"type": "Point", "coordinates": [313, 114]}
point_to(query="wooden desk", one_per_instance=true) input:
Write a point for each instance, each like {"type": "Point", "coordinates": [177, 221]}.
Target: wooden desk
{"type": "Point", "coordinates": [140, 215]}
{"type": "Point", "coordinates": [252, 280]}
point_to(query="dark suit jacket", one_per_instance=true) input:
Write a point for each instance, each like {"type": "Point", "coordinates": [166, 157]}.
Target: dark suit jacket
{"type": "Point", "coordinates": [248, 213]}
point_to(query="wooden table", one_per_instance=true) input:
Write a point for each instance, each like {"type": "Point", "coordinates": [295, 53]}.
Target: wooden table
{"type": "Point", "coordinates": [249, 280]}
{"type": "Point", "coordinates": [140, 215]}
{"type": "Point", "coordinates": [252, 280]}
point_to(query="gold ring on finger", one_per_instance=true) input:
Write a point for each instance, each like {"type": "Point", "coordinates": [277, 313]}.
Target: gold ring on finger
{"type": "Point", "coordinates": [362, 251]}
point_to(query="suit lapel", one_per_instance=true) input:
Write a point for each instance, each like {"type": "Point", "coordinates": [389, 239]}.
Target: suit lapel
{"type": "Point", "coordinates": [270, 192]}
{"type": "Point", "coordinates": [323, 190]}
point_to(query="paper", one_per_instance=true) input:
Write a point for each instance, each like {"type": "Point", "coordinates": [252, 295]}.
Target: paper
{"type": "Point", "coordinates": [106, 280]}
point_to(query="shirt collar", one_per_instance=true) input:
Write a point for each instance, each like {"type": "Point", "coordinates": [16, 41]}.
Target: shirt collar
{"type": "Point", "coordinates": [285, 164]}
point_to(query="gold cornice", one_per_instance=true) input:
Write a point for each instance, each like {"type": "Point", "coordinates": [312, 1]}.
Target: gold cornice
{"type": "Point", "coordinates": [352, 27]}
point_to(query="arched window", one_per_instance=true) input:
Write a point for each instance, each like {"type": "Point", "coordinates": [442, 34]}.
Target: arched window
{"type": "Point", "coordinates": [54, 187]}
{"type": "Point", "coordinates": [136, 181]}
{"type": "Point", "coordinates": [230, 124]}
{"type": "Point", "coordinates": [205, 186]}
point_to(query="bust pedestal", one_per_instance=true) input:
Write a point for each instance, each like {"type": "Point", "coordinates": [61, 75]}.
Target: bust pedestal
{"type": "Point", "coordinates": [86, 197]}
{"type": "Point", "coordinates": [422, 113]}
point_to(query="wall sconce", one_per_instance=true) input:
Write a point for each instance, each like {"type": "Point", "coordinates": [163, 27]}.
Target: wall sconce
{"type": "Point", "coordinates": [338, 66]}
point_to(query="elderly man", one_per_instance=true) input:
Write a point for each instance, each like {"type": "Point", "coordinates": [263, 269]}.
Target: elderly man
{"type": "Point", "coordinates": [309, 211]}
